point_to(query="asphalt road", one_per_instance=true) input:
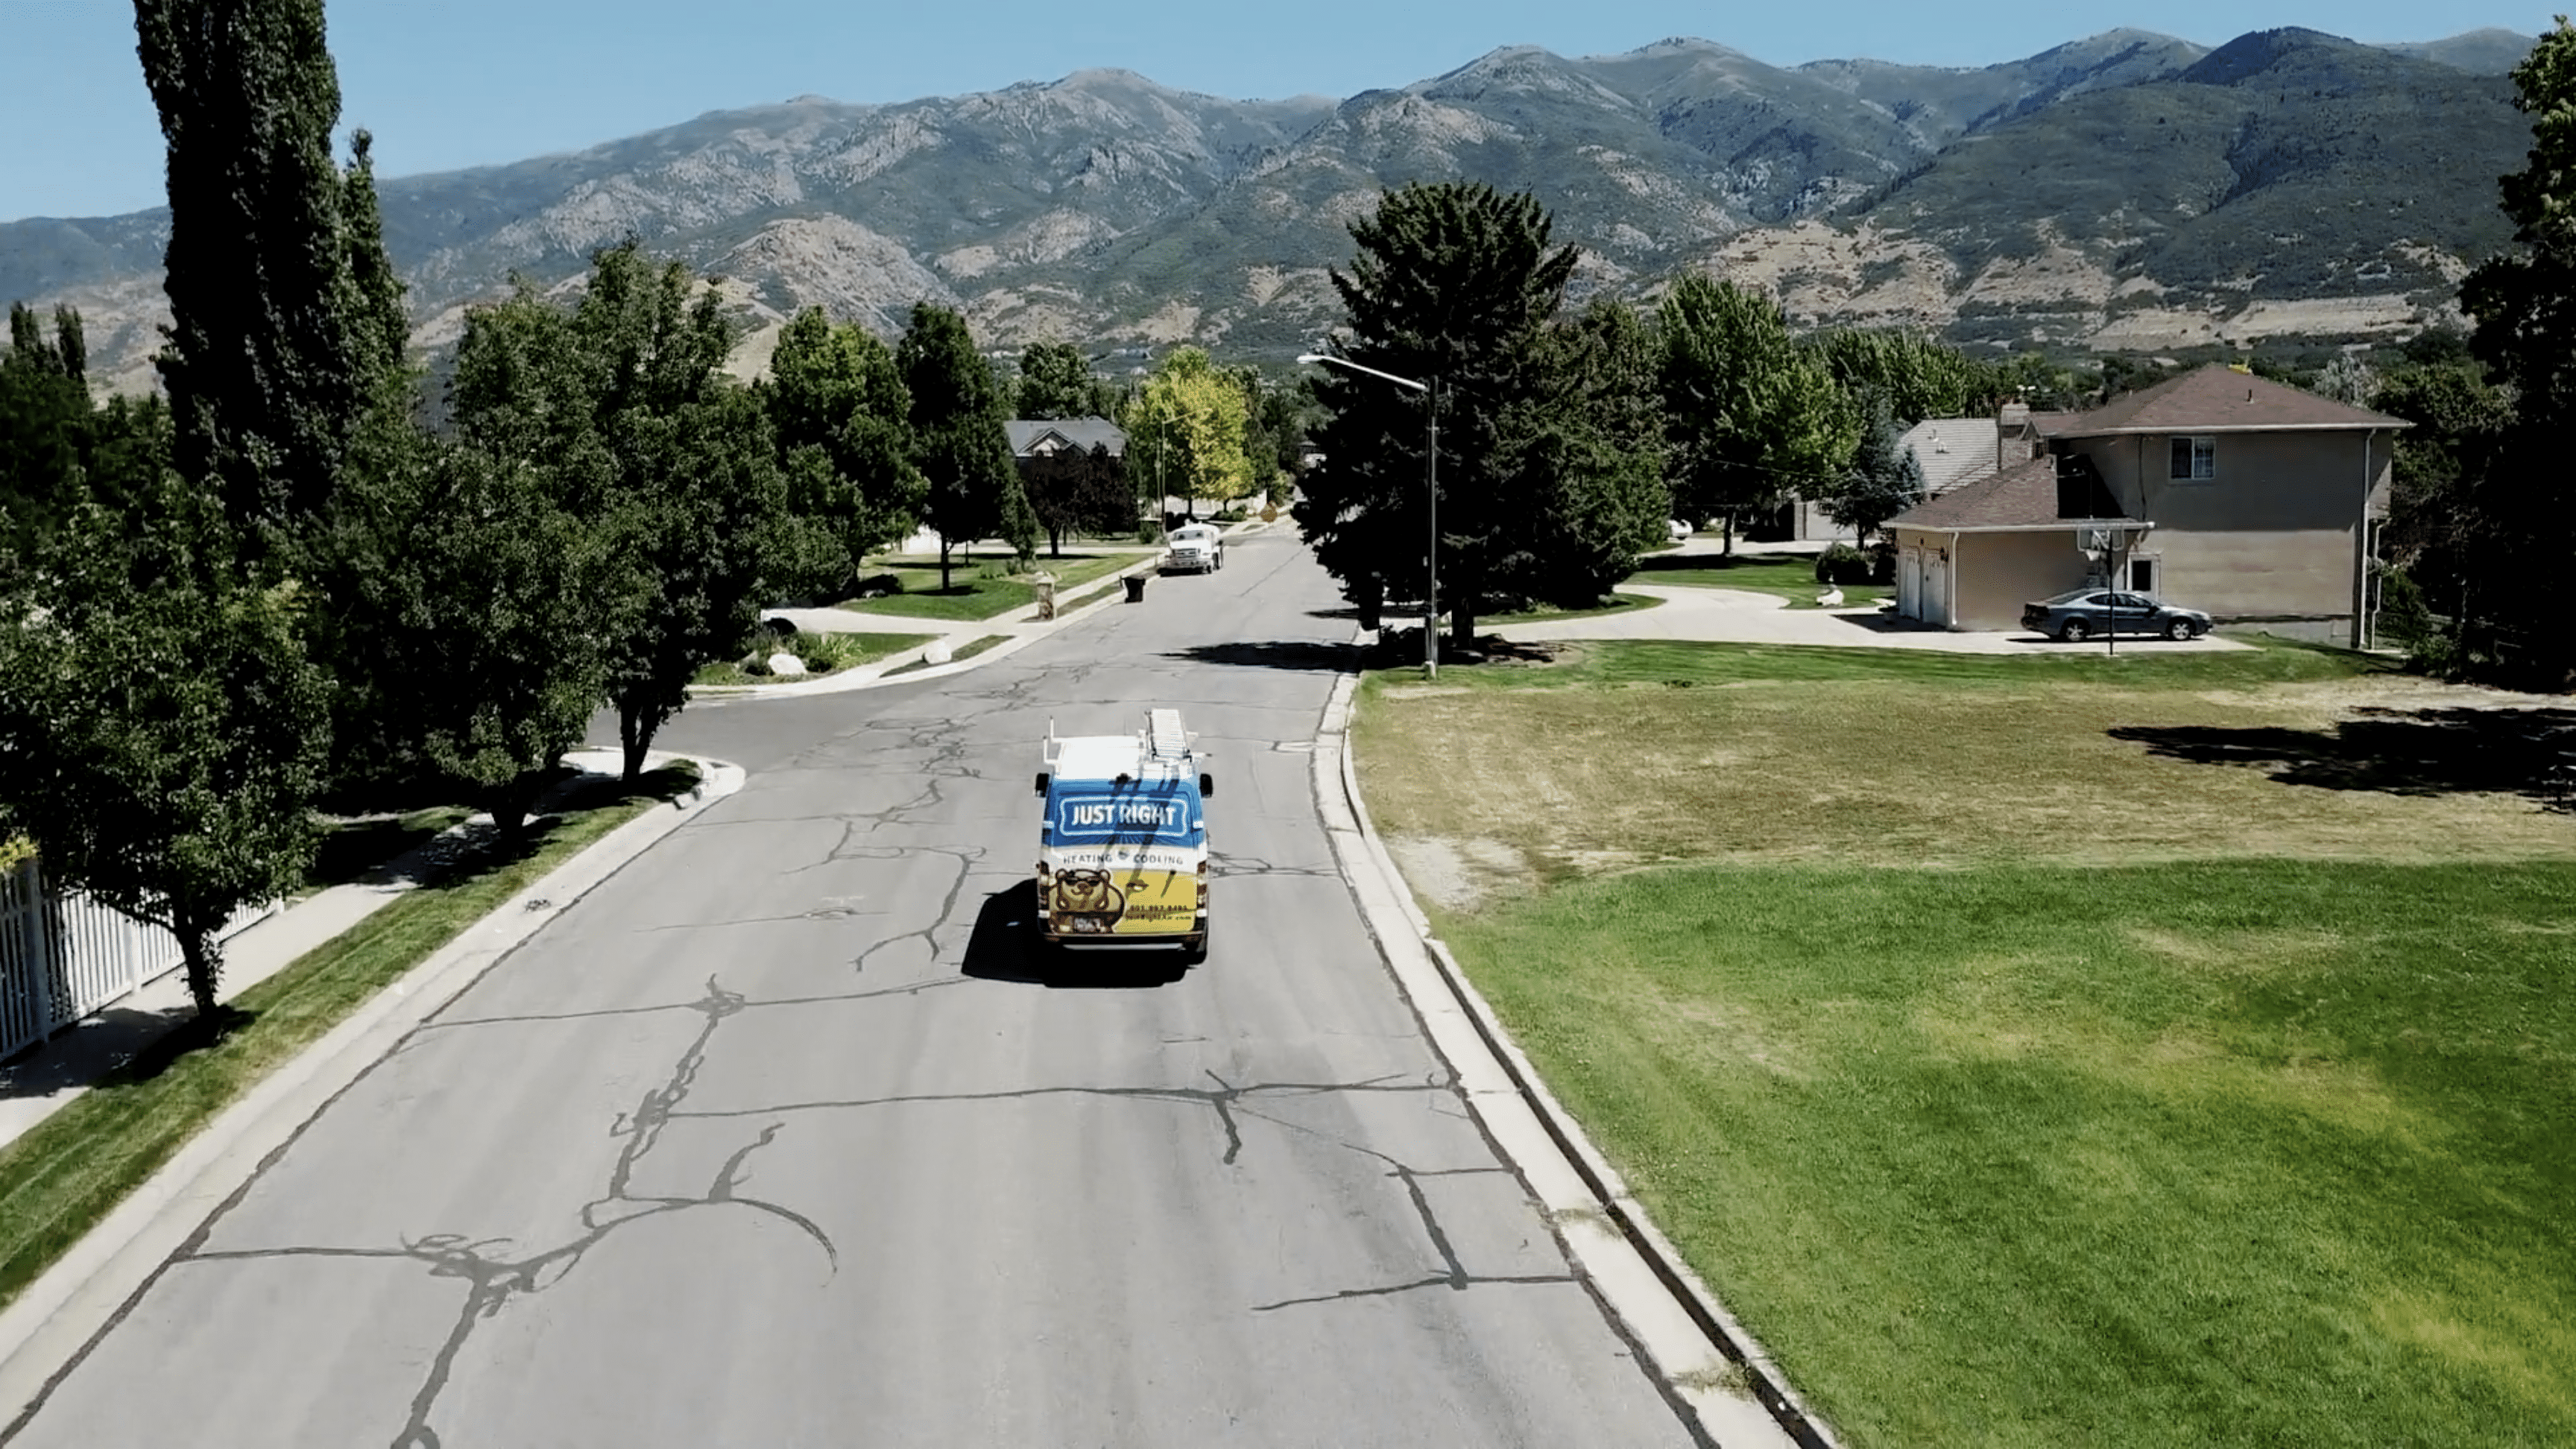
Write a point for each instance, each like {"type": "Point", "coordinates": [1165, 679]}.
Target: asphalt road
{"type": "Point", "coordinates": [778, 1138]}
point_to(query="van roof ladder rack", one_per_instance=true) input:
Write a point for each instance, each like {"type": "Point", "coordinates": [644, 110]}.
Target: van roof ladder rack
{"type": "Point", "coordinates": [1164, 737]}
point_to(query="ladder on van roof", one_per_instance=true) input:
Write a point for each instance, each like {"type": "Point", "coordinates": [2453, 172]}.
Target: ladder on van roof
{"type": "Point", "coordinates": [1164, 737]}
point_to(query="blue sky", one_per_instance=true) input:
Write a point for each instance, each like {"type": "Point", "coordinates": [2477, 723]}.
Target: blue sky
{"type": "Point", "coordinates": [469, 82]}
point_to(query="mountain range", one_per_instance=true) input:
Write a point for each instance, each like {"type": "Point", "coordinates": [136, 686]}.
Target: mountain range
{"type": "Point", "coordinates": [2130, 191]}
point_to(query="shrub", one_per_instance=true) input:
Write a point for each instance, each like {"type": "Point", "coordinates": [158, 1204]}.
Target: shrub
{"type": "Point", "coordinates": [1842, 564]}
{"type": "Point", "coordinates": [825, 653]}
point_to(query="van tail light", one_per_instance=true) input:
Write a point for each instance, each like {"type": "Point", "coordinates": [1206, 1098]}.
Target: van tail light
{"type": "Point", "coordinates": [1203, 880]}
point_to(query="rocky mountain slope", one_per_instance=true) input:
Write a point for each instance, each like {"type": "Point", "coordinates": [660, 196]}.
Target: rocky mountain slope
{"type": "Point", "coordinates": [2126, 191]}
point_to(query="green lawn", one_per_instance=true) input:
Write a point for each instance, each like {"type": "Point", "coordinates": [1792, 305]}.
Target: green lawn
{"type": "Point", "coordinates": [969, 595]}
{"type": "Point", "coordinates": [2043, 1051]}
{"type": "Point", "coordinates": [1791, 577]}
{"type": "Point", "coordinates": [66, 1173]}
{"type": "Point", "coordinates": [352, 847]}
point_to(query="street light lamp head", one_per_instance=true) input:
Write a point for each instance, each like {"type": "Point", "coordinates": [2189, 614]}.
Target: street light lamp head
{"type": "Point", "coordinates": [1310, 358]}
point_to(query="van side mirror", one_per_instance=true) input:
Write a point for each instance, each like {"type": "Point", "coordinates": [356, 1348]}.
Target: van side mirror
{"type": "Point", "coordinates": [1207, 785]}
{"type": "Point", "coordinates": [1042, 784]}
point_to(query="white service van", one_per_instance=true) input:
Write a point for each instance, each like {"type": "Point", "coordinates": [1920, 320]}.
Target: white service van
{"type": "Point", "coordinates": [1123, 843]}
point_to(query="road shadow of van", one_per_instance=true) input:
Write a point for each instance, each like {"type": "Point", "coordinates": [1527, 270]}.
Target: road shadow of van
{"type": "Point", "coordinates": [1005, 947]}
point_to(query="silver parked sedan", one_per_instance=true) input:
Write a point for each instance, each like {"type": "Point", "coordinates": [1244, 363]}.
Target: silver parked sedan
{"type": "Point", "coordinates": [2083, 613]}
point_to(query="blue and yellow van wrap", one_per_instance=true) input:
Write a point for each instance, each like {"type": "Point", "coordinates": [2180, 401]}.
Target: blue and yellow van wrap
{"type": "Point", "coordinates": [1123, 861]}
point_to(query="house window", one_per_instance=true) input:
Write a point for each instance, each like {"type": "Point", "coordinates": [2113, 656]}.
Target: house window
{"type": "Point", "coordinates": [2195, 458]}
{"type": "Point", "coordinates": [2142, 575]}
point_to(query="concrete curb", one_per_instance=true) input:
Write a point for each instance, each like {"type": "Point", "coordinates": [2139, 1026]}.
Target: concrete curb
{"type": "Point", "coordinates": [1705, 1357]}
{"type": "Point", "coordinates": [50, 1328]}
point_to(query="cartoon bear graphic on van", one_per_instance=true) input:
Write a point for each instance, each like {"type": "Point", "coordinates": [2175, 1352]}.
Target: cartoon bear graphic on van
{"type": "Point", "coordinates": [1086, 903]}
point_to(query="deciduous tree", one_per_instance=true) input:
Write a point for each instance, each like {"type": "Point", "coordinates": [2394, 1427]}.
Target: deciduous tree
{"type": "Point", "coordinates": [958, 441]}
{"type": "Point", "coordinates": [162, 731]}
{"type": "Point", "coordinates": [622, 411]}
{"type": "Point", "coordinates": [1753, 418]}
{"type": "Point", "coordinates": [842, 418]}
{"type": "Point", "coordinates": [1079, 490]}
{"type": "Point", "coordinates": [1189, 419]}
{"type": "Point", "coordinates": [1056, 382]}
{"type": "Point", "coordinates": [472, 602]}
{"type": "Point", "coordinates": [1919, 378]}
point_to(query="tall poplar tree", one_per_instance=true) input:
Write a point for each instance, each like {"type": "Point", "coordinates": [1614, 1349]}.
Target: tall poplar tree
{"type": "Point", "coordinates": [267, 369]}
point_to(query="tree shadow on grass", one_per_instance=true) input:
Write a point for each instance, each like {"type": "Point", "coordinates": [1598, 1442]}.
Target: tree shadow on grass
{"type": "Point", "coordinates": [2418, 752]}
{"type": "Point", "coordinates": [188, 1035]}
{"type": "Point", "coordinates": [1005, 947]}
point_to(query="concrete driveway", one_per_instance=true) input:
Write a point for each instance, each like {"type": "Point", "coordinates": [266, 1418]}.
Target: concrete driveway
{"type": "Point", "coordinates": [1739, 616]}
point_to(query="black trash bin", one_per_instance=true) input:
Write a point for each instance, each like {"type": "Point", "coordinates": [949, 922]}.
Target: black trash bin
{"type": "Point", "coordinates": [1135, 588]}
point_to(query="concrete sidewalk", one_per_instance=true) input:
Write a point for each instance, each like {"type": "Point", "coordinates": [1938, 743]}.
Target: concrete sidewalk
{"type": "Point", "coordinates": [47, 1079]}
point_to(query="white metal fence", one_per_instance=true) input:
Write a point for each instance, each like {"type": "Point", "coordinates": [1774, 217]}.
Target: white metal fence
{"type": "Point", "coordinates": [63, 957]}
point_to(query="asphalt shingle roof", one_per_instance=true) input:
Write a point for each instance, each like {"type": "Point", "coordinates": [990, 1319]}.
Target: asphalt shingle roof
{"type": "Point", "coordinates": [1952, 451]}
{"type": "Point", "coordinates": [1083, 433]}
{"type": "Point", "coordinates": [2214, 399]}
{"type": "Point", "coordinates": [2020, 497]}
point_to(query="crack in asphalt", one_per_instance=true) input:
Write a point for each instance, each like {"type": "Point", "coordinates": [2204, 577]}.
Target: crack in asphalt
{"type": "Point", "coordinates": [1222, 1099]}
{"type": "Point", "coordinates": [1454, 1271]}
{"type": "Point", "coordinates": [493, 1280]}
{"type": "Point", "coordinates": [1436, 1280]}
{"type": "Point", "coordinates": [966, 860]}
{"type": "Point", "coordinates": [913, 989]}
{"type": "Point", "coordinates": [819, 913]}
{"type": "Point", "coordinates": [1222, 865]}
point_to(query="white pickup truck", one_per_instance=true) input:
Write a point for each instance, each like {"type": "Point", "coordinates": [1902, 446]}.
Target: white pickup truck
{"type": "Point", "coordinates": [1197, 548]}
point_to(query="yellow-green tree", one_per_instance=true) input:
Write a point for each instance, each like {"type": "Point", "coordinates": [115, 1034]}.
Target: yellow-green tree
{"type": "Point", "coordinates": [1186, 427]}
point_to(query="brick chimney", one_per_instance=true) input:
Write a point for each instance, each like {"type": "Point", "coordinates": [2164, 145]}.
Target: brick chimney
{"type": "Point", "coordinates": [2012, 435]}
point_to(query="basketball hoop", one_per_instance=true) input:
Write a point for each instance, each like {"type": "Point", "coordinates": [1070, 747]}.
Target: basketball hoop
{"type": "Point", "coordinates": [2107, 538]}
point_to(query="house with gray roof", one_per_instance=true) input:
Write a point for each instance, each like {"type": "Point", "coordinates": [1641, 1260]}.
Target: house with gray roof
{"type": "Point", "coordinates": [1046, 437]}
{"type": "Point", "coordinates": [1951, 451]}
{"type": "Point", "coordinates": [2219, 490]}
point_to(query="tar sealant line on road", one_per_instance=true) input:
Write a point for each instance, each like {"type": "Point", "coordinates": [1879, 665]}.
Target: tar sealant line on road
{"type": "Point", "coordinates": [59, 1318]}
{"type": "Point", "coordinates": [1705, 1356]}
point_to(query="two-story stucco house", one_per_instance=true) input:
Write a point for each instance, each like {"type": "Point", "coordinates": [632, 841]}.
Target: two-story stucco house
{"type": "Point", "coordinates": [2256, 502]}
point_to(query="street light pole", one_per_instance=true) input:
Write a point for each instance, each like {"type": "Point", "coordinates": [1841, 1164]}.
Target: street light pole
{"type": "Point", "coordinates": [1431, 500]}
